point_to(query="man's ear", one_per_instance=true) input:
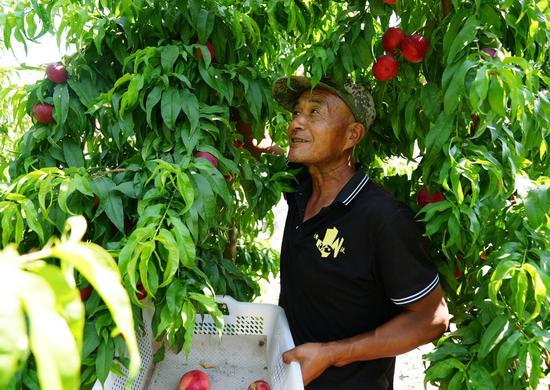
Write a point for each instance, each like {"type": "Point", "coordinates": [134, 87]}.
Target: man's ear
{"type": "Point", "coordinates": [356, 132]}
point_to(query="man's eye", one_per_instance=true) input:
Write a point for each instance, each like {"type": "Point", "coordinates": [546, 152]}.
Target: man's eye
{"type": "Point", "coordinates": [295, 113]}
{"type": "Point", "coordinates": [315, 111]}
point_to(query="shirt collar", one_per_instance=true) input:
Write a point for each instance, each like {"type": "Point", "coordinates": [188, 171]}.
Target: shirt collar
{"type": "Point", "coordinates": [352, 188]}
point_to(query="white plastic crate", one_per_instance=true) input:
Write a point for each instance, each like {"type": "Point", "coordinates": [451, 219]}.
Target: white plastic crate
{"type": "Point", "coordinates": [253, 341]}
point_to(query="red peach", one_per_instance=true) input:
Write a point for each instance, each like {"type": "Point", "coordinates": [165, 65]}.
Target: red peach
{"type": "Point", "coordinates": [194, 380]}
{"type": "Point", "coordinates": [385, 68]}
{"type": "Point", "coordinates": [414, 47]}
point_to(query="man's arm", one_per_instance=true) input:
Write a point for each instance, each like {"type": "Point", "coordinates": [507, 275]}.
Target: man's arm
{"type": "Point", "coordinates": [419, 323]}
{"type": "Point", "coordinates": [264, 146]}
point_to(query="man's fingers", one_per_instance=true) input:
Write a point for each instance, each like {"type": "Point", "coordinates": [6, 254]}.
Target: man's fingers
{"type": "Point", "coordinates": [289, 356]}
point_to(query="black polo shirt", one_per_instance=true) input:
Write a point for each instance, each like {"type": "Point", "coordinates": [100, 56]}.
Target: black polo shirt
{"type": "Point", "coordinates": [349, 269]}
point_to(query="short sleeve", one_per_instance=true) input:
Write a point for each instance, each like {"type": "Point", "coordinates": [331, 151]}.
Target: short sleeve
{"type": "Point", "coordinates": [403, 259]}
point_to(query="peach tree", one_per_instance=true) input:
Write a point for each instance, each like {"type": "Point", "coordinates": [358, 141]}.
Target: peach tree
{"type": "Point", "coordinates": [461, 136]}
{"type": "Point", "coordinates": [141, 131]}
{"type": "Point", "coordinates": [147, 132]}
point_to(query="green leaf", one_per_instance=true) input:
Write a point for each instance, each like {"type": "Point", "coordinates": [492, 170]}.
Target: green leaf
{"type": "Point", "coordinates": [495, 332]}
{"type": "Point", "coordinates": [61, 103]}
{"type": "Point", "coordinates": [203, 20]}
{"type": "Point", "coordinates": [439, 133]}
{"type": "Point", "coordinates": [171, 105]}
{"type": "Point", "coordinates": [539, 287]}
{"type": "Point", "coordinates": [188, 318]}
{"type": "Point", "coordinates": [446, 350]}
{"type": "Point", "coordinates": [127, 188]}
{"type": "Point", "coordinates": [238, 30]}
{"type": "Point", "coordinates": [115, 210]}
{"type": "Point", "coordinates": [206, 202]}
{"type": "Point", "coordinates": [254, 99]}
{"type": "Point", "coordinates": [219, 185]}
{"type": "Point", "coordinates": [185, 243]}
{"type": "Point", "coordinates": [206, 55]}
{"type": "Point", "coordinates": [171, 262]}
{"type": "Point", "coordinates": [479, 377]}
{"type": "Point", "coordinates": [8, 215]}
{"type": "Point", "coordinates": [144, 263]}
{"type": "Point", "coordinates": [537, 204]}
{"type": "Point", "coordinates": [496, 97]}
{"type": "Point", "coordinates": [456, 381]}
{"type": "Point", "coordinates": [101, 186]}
{"type": "Point", "coordinates": [505, 350]}
{"type": "Point", "coordinates": [52, 343]}
{"type": "Point", "coordinates": [479, 88]}
{"type": "Point", "coordinates": [455, 236]}
{"type": "Point", "coordinates": [411, 112]}
{"type": "Point", "coordinates": [100, 269]}
{"type": "Point", "coordinates": [91, 340]}
{"type": "Point", "coordinates": [190, 106]}
{"type": "Point", "coordinates": [82, 185]}
{"type": "Point", "coordinates": [67, 297]}
{"type": "Point", "coordinates": [130, 97]}
{"type": "Point", "coordinates": [211, 307]}
{"type": "Point", "coordinates": [445, 368]}
{"type": "Point", "coordinates": [85, 89]}
{"type": "Point", "coordinates": [519, 286]}
{"type": "Point", "coordinates": [463, 38]}
{"type": "Point", "coordinates": [226, 162]}
{"type": "Point", "coordinates": [13, 329]}
{"type": "Point", "coordinates": [175, 294]}
{"type": "Point", "coordinates": [46, 187]}
{"type": "Point", "coordinates": [536, 366]}
{"type": "Point", "coordinates": [152, 99]}
{"type": "Point", "coordinates": [455, 89]}
{"type": "Point", "coordinates": [185, 188]}
{"type": "Point", "coordinates": [346, 56]}
{"type": "Point", "coordinates": [104, 359]}
{"type": "Point", "coordinates": [66, 188]}
{"type": "Point", "coordinates": [72, 151]}
{"type": "Point", "coordinates": [31, 217]}
{"type": "Point", "coordinates": [19, 228]}
{"type": "Point", "coordinates": [503, 269]}
{"type": "Point", "coordinates": [205, 75]}
{"type": "Point", "coordinates": [168, 56]}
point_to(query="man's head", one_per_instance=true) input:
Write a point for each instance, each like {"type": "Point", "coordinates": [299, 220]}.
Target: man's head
{"type": "Point", "coordinates": [327, 122]}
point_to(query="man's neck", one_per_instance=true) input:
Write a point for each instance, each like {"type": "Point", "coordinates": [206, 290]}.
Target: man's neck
{"type": "Point", "coordinates": [328, 181]}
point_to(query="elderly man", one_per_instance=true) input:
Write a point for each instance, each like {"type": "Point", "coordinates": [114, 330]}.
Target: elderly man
{"type": "Point", "coordinates": [357, 284]}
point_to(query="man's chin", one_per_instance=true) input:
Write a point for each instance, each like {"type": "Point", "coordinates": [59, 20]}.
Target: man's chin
{"type": "Point", "coordinates": [295, 159]}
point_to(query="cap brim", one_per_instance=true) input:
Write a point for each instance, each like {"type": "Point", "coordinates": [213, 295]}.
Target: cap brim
{"type": "Point", "coordinates": [287, 90]}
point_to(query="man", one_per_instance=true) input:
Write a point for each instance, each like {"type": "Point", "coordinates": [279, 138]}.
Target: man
{"type": "Point", "coordinates": [357, 284]}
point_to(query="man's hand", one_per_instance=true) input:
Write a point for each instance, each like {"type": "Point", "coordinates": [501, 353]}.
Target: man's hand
{"type": "Point", "coordinates": [314, 359]}
{"type": "Point", "coordinates": [419, 323]}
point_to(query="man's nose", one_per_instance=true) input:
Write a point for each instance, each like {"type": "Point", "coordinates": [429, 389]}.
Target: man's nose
{"type": "Point", "coordinates": [296, 123]}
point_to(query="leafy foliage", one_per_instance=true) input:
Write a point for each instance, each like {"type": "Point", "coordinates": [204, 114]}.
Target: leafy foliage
{"type": "Point", "coordinates": [42, 311]}
{"type": "Point", "coordinates": [13, 121]}
{"type": "Point", "coordinates": [144, 94]}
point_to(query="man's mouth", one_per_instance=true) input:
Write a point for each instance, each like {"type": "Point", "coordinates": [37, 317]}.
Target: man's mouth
{"type": "Point", "coordinates": [298, 140]}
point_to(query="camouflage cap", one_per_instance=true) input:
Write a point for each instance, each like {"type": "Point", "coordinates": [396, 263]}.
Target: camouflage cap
{"type": "Point", "coordinates": [287, 90]}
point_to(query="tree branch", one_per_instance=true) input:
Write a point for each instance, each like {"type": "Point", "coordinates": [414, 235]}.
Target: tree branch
{"type": "Point", "coordinates": [447, 6]}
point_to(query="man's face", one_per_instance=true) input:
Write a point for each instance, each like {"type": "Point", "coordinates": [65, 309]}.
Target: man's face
{"type": "Point", "coordinates": [318, 130]}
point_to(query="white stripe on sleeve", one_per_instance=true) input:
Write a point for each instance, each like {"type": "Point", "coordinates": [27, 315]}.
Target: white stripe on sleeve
{"type": "Point", "coordinates": [418, 295]}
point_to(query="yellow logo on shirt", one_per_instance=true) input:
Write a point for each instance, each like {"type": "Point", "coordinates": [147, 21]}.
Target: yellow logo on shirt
{"type": "Point", "coordinates": [331, 243]}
